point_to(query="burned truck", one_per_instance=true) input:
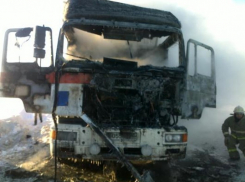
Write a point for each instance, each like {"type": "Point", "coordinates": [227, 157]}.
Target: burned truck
{"type": "Point", "coordinates": [120, 81]}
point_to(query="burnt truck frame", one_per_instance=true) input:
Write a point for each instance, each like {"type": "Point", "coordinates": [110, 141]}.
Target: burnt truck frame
{"type": "Point", "coordinates": [136, 108]}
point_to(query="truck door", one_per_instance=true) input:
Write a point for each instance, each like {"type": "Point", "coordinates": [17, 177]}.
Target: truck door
{"type": "Point", "coordinates": [200, 88]}
{"type": "Point", "coordinates": [24, 69]}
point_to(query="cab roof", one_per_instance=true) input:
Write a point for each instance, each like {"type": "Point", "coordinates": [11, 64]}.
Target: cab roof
{"type": "Point", "coordinates": [100, 16]}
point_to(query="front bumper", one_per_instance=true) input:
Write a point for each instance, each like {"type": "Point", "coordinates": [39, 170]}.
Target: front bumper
{"type": "Point", "coordinates": [76, 141]}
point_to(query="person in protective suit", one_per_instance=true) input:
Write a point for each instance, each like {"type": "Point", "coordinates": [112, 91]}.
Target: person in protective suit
{"type": "Point", "coordinates": [236, 124]}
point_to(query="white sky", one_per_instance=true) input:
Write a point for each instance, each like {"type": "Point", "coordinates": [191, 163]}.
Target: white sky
{"type": "Point", "coordinates": [219, 23]}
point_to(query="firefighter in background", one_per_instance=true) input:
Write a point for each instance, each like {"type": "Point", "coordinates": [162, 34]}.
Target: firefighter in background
{"type": "Point", "coordinates": [236, 124]}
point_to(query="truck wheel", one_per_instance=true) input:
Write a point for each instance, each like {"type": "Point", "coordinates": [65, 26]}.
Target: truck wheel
{"type": "Point", "coordinates": [115, 172]}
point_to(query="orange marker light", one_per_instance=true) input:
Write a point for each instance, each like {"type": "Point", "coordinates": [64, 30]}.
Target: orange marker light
{"type": "Point", "coordinates": [53, 134]}
{"type": "Point", "coordinates": [184, 137]}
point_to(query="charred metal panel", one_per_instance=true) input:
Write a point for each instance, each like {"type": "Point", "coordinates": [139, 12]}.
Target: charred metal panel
{"type": "Point", "coordinates": [117, 20]}
{"type": "Point", "coordinates": [25, 80]}
{"type": "Point", "coordinates": [201, 92]}
{"type": "Point", "coordinates": [200, 89]}
{"type": "Point", "coordinates": [26, 87]}
{"type": "Point", "coordinates": [108, 10]}
{"type": "Point", "coordinates": [120, 99]}
{"type": "Point", "coordinates": [43, 102]}
{"type": "Point", "coordinates": [126, 31]}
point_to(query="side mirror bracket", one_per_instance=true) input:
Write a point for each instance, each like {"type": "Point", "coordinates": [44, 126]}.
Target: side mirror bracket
{"type": "Point", "coordinates": [39, 42]}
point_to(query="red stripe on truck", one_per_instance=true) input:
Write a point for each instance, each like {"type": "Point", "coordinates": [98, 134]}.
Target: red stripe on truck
{"type": "Point", "coordinates": [70, 78]}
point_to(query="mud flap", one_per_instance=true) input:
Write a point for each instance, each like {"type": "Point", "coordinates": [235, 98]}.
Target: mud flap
{"type": "Point", "coordinates": [145, 178]}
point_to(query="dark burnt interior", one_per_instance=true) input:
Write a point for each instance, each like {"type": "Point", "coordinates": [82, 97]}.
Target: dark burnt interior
{"type": "Point", "coordinates": [146, 98]}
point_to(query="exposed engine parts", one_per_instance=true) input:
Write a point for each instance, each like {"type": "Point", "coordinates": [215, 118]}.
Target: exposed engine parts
{"type": "Point", "coordinates": [131, 99]}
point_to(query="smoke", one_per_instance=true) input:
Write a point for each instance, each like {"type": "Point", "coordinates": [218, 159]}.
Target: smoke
{"type": "Point", "coordinates": [145, 52]}
{"type": "Point", "coordinates": [95, 47]}
{"type": "Point", "coordinates": [219, 25]}
{"type": "Point", "coordinates": [218, 28]}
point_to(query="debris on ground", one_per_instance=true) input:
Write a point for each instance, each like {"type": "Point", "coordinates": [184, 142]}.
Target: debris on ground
{"type": "Point", "coordinates": [25, 157]}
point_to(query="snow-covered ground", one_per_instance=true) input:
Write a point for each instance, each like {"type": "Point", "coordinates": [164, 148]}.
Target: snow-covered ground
{"type": "Point", "coordinates": [206, 135]}
{"type": "Point", "coordinates": [25, 146]}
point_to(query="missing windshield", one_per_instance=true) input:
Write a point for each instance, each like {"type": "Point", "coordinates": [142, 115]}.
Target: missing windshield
{"type": "Point", "coordinates": [148, 51]}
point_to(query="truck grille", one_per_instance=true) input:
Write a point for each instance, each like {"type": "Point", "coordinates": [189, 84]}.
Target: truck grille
{"type": "Point", "coordinates": [132, 151]}
{"type": "Point", "coordinates": [67, 136]}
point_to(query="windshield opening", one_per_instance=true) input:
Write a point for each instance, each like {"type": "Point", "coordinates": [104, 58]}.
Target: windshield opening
{"type": "Point", "coordinates": [84, 45]}
{"type": "Point", "coordinates": [20, 50]}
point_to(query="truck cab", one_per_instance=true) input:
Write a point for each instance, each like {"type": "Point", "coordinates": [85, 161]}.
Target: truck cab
{"type": "Point", "coordinates": [123, 66]}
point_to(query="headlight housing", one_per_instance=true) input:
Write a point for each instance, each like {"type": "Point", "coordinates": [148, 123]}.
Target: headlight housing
{"type": "Point", "coordinates": [177, 138]}
{"type": "Point", "coordinates": [172, 138]}
{"type": "Point", "coordinates": [168, 138]}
